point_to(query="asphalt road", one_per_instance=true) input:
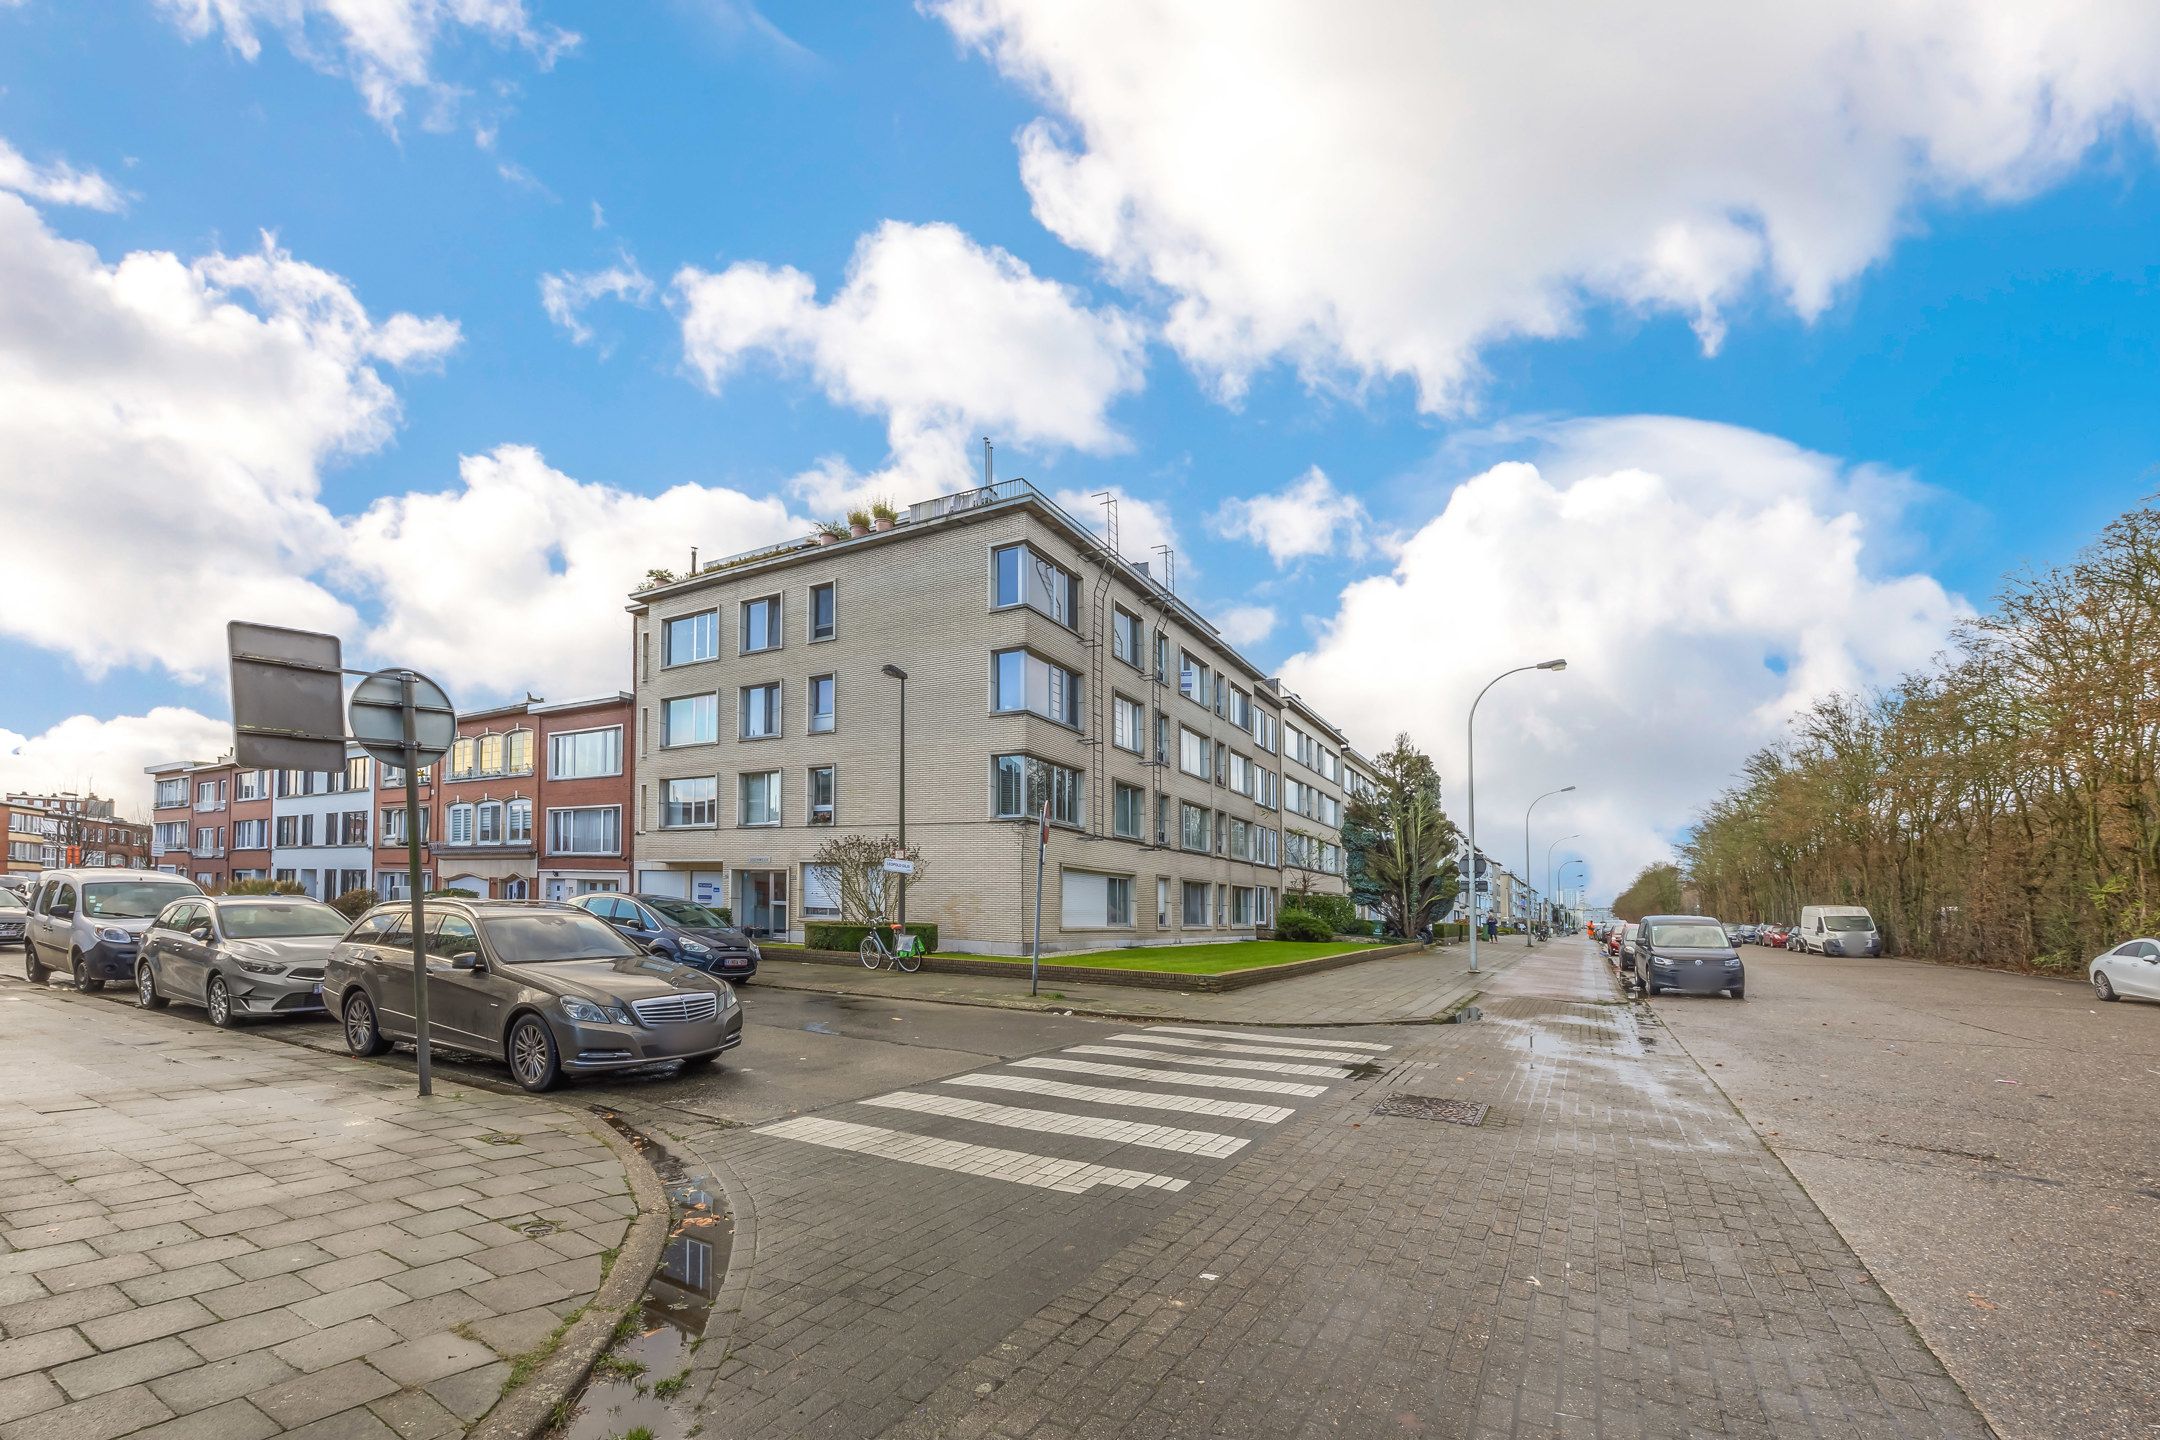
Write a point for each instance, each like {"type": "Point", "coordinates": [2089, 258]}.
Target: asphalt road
{"type": "Point", "coordinates": [1987, 1144]}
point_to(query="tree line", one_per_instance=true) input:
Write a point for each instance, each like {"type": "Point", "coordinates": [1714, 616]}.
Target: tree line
{"type": "Point", "coordinates": [1999, 806]}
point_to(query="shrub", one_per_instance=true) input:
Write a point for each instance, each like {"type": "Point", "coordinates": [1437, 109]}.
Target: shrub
{"type": "Point", "coordinates": [264, 887]}
{"type": "Point", "coordinates": [354, 903]}
{"type": "Point", "coordinates": [834, 935]}
{"type": "Point", "coordinates": [1337, 912]}
{"type": "Point", "coordinates": [1302, 925]}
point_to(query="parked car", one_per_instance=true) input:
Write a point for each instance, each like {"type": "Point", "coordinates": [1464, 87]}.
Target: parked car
{"type": "Point", "coordinates": [1772, 935]}
{"type": "Point", "coordinates": [239, 955]}
{"type": "Point", "coordinates": [1839, 930]}
{"type": "Point", "coordinates": [2131, 969]}
{"type": "Point", "coordinates": [1628, 934]}
{"type": "Point", "coordinates": [90, 922]}
{"type": "Point", "coordinates": [14, 916]}
{"type": "Point", "coordinates": [550, 988]}
{"type": "Point", "coordinates": [1688, 953]}
{"type": "Point", "coordinates": [680, 930]}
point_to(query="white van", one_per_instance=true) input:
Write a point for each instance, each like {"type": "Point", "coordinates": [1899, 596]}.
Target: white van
{"type": "Point", "coordinates": [1839, 930]}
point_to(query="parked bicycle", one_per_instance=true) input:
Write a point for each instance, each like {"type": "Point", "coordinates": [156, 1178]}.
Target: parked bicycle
{"type": "Point", "coordinates": [904, 953]}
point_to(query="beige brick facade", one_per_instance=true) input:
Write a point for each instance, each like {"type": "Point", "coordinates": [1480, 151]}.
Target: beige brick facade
{"type": "Point", "coordinates": [922, 597]}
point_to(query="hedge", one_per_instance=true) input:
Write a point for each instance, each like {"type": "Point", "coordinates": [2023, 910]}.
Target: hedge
{"type": "Point", "coordinates": [1301, 925]}
{"type": "Point", "coordinates": [832, 935]}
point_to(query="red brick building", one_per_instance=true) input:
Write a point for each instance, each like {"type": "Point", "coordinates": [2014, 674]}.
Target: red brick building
{"type": "Point", "coordinates": [584, 819]}
{"type": "Point", "coordinates": [392, 866]}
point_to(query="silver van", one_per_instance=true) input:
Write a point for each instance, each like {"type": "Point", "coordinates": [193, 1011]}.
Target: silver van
{"type": "Point", "coordinates": [90, 922]}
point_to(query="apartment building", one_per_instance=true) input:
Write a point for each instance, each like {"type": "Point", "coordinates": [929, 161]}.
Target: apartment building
{"type": "Point", "coordinates": [47, 831]}
{"type": "Point", "coordinates": [392, 860]}
{"type": "Point", "coordinates": [1040, 670]}
{"type": "Point", "coordinates": [320, 827]}
{"type": "Point", "coordinates": [487, 793]}
{"type": "Point", "coordinates": [587, 780]}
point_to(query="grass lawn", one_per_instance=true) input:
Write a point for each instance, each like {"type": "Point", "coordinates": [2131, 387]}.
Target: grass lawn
{"type": "Point", "coordinates": [1195, 959]}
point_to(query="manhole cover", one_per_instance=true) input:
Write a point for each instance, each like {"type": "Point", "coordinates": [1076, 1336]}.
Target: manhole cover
{"type": "Point", "coordinates": [1432, 1107]}
{"type": "Point", "coordinates": [498, 1138]}
{"type": "Point", "coordinates": [538, 1228]}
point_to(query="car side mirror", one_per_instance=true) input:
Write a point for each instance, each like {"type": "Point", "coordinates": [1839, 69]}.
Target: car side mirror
{"type": "Point", "coordinates": [199, 932]}
{"type": "Point", "coordinates": [465, 961]}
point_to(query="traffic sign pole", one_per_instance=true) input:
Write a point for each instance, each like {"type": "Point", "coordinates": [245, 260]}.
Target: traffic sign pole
{"type": "Point", "coordinates": [1042, 846]}
{"type": "Point", "coordinates": [410, 705]}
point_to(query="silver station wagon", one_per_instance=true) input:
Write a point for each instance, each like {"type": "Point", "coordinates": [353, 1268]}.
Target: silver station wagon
{"type": "Point", "coordinates": [238, 955]}
{"type": "Point", "coordinates": [548, 988]}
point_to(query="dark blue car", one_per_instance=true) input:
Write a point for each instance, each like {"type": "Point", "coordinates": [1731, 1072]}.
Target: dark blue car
{"type": "Point", "coordinates": [685, 932]}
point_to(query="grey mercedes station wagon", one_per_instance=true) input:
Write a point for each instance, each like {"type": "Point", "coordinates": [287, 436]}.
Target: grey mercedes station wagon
{"type": "Point", "coordinates": [548, 988]}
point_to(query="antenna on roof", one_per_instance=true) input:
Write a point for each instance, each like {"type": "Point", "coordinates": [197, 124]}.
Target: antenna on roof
{"type": "Point", "coordinates": [988, 474]}
{"type": "Point", "coordinates": [1169, 567]}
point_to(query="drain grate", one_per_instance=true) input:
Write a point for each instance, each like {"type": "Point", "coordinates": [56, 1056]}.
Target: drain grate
{"type": "Point", "coordinates": [536, 1228]}
{"type": "Point", "coordinates": [1432, 1107]}
{"type": "Point", "coordinates": [497, 1137]}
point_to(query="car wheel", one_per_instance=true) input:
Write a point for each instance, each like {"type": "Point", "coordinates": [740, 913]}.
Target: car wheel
{"type": "Point", "coordinates": [532, 1054]}
{"type": "Point", "coordinates": [33, 969]}
{"type": "Point", "coordinates": [146, 989]}
{"type": "Point", "coordinates": [219, 1003]}
{"type": "Point", "coordinates": [2103, 987]}
{"type": "Point", "coordinates": [363, 1037]}
{"type": "Point", "coordinates": [85, 982]}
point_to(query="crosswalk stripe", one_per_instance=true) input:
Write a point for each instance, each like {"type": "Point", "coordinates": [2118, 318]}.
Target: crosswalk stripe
{"type": "Point", "coordinates": [1071, 1177]}
{"type": "Point", "coordinates": [1295, 1052]}
{"type": "Point", "coordinates": [1170, 1077]}
{"type": "Point", "coordinates": [1214, 1062]}
{"type": "Point", "coordinates": [1250, 1035]}
{"type": "Point", "coordinates": [1137, 1099]}
{"type": "Point", "coordinates": [1058, 1122]}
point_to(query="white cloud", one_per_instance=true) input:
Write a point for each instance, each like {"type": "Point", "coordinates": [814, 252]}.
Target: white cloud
{"type": "Point", "coordinates": [947, 340]}
{"type": "Point", "coordinates": [1380, 190]}
{"type": "Point", "coordinates": [1244, 625]}
{"type": "Point", "coordinates": [565, 294]}
{"type": "Point", "coordinates": [85, 754]}
{"type": "Point", "coordinates": [1676, 565]}
{"type": "Point", "coordinates": [517, 579]}
{"type": "Point", "coordinates": [387, 47]}
{"type": "Point", "coordinates": [56, 183]}
{"type": "Point", "coordinates": [1306, 518]}
{"type": "Point", "coordinates": [166, 423]}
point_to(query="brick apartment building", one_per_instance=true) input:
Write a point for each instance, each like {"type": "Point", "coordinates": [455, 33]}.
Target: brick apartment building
{"type": "Point", "coordinates": [1185, 788]}
{"type": "Point", "coordinates": [44, 832]}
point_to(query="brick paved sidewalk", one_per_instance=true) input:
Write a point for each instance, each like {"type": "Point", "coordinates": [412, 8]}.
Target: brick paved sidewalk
{"type": "Point", "coordinates": [1402, 990]}
{"type": "Point", "coordinates": [211, 1234]}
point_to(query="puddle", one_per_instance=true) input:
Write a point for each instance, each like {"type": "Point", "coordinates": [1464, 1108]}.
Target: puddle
{"type": "Point", "coordinates": [639, 1382]}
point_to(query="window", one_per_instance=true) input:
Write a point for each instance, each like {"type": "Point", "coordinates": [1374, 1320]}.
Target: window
{"type": "Point", "coordinates": [1193, 756]}
{"type": "Point", "coordinates": [1020, 681]}
{"type": "Point", "coordinates": [352, 828]}
{"type": "Point", "coordinates": [1241, 905]}
{"type": "Point", "coordinates": [461, 756]}
{"type": "Point", "coordinates": [689, 720]}
{"type": "Point", "coordinates": [761, 624]}
{"type": "Point", "coordinates": [587, 830]}
{"type": "Point", "coordinates": [288, 833]}
{"type": "Point", "coordinates": [584, 754]}
{"type": "Point", "coordinates": [210, 795]}
{"type": "Point", "coordinates": [255, 834]}
{"type": "Point", "coordinates": [824, 611]}
{"type": "Point", "coordinates": [488, 827]}
{"type": "Point", "coordinates": [518, 752]}
{"type": "Point", "coordinates": [1193, 825]}
{"type": "Point", "coordinates": [1128, 723]}
{"type": "Point", "coordinates": [172, 794]}
{"type": "Point", "coordinates": [1088, 901]}
{"type": "Point", "coordinates": [1240, 713]}
{"type": "Point", "coordinates": [1241, 774]}
{"type": "Point", "coordinates": [821, 795]}
{"type": "Point", "coordinates": [692, 638]}
{"type": "Point", "coordinates": [1162, 904]}
{"type": "Point", "coordinates": [461, 825]}
{"type": "Point", "coordinates": [760, 798]}
{"type": "Point", "coordinates": [1125, 636]}
{"type": "Point", "coordinates": [1020, 576]}
{"type": "Point", "coordinates": [1192, 678]}
{"type": "Point", "coordinates": [760, 711]}
{"type": "Point", "coordinates": [1196, 908]}
{"type": "Point", "coordinates": [358, 772]}
{"type": "Point", "coordinates": [1024, 784]}
{"type": "Point", "coordinates": [1130, 811]}
{"type": "Point", "coordinates": [695, 801]}
{"type": "Point", "coordinates": [1264, 726]}
{"type": "Point", "coordinates": [491, 754]}
{"type": "Point", "coordinates": [1240, 847]}
{"type": "Point", "coordinates": [820, 892]}
{"type": "Point", "coordinates": [821, 704]}
{"type": "Point", "coordinates": [252, 785]}
{"type": "Point", "coordinates": [1162, 738]}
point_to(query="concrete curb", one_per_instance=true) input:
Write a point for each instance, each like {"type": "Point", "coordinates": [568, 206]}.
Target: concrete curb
{"type": "Point", "coordinates": [529, 1410]}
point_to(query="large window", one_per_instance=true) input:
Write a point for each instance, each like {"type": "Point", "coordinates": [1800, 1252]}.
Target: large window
{"type": "Point", "coordinates": [1088, 901]}
{"type": "Point", "coordinates": [1020, 681]}
{"type": "Point", "coordinates": [761, 624]}
{"type": "Point", "coordinates": [585, 754]}
{"type": "Point", "coordinates": [692, 638]}
{"type": "Point", "coordinates": [1022, 784]}
{"type": "Point", "coordinates": [1196, 904]}
{"type": "Point", "coordinates": [1020, 576]}
{"type": "Point", "coordinates": [255, 834]}
{"type": "Point", "coordinates": [461, 825]}
{"type": "Point", "coordinates": [1194, 754]}
{"type": "Point", "coordinates": [760, 798]}
{"type": "Point", "coordinates": [1193, 826]}
{"type": "Point", "coordinates": [252, 785]}
{"type": "Point", "coordinates": [1241, 774]}
{"type": "Point", "coordinates": [585, 830]}
{"type": "Point", "coordinates": [517, 822]}
{"type": "Point", "coordinates": [1128, 727]}
{"type": "Point", "coordinates": [1126, 637]}
{"type": "Point", "coordinates": [488, 823]}
{"type": "Point", "coordinates": [1192, 677]}
{"type": "Point", "coordinates": [820, 892]}
{"type": "Point", "coordinates": [821, 795]}
{"type": "Point", "coordinates": [172, 794]}
{"type": "Point", "coordinates": [1131, 811]}
{"type": "Point", "coordinates": [690, 720]}
{"type": "Point", "coordinates": [760, 711]}
{"type": "Point", "coordinates": [824, 611]}
{"type": "Point", "coordinates": [822, 702]}
{"type": "Point", "coordinates": [692, 801]}
{"type": "Point", "coordinates": [518, 752]}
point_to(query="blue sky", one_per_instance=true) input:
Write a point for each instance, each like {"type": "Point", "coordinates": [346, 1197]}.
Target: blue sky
{"type": "Point", "coordinates": [1995, 348]}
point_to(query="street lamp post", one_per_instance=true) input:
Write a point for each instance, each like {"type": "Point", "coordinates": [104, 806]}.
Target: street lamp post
{"type": "Point", "coordinates": [1470, 781]}
{"type": "Point", "coordinates": [1550, 893]}
{"type": "Point", "coordinates": [901, 675]}
{"type": "Point", "coordinates": [1532, 936]}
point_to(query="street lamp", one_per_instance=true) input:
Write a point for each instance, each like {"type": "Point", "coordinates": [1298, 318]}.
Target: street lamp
{"type": "Point", "coordinates": [1532, 936]}
{"type": "Point", "coordinates": [901, 675]}
{"type": "Point", "coordinates": [1549, 891]}
{"type": "Point", "coordinates": [1470, 780]}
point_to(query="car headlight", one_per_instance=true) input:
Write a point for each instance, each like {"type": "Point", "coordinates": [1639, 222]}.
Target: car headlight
{"type": "Point", "coordinates": [1659, 960]}
{"type": "Point", "coordinates": [727, 998]}
{"type": "Point", "coordinates": [695, 947]}
{"type": "Point", "coordinates": [755, 953]}
{"type": "Point", "coordinates": [261, 967]}
{"type": "Point", "coordinates": [1733, 964]}
{"type": "Point", "coordinates": [589, 1013]}
{"type": "Point", "coordinates": [113, 934]}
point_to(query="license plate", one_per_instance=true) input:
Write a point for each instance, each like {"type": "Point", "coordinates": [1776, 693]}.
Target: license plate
{"type": "Point", "coordinates": [318, 992]}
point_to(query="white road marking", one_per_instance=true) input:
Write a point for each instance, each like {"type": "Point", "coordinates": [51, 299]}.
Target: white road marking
{"type": "Point", "coordinates": [1139, 1099]}
{"type": "Point", "coordinates": [1171, 1077]}
{"type": "Point", "coordinates": [1214, 1062]}
{"type": "Point", "coordinates": [1292, 1051]}
{"type": "Point", "coordinates": [1250, 1035]}
{"type": "Point", "coordinates": [1058, 1122]}
{"type": "Point", "coordinates": [1071, 1177]}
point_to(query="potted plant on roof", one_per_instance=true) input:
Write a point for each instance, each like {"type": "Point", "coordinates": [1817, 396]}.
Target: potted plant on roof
{"type": "Point", "coordinates": [829, 531]}
{"type": "Point", "coordinates": [858, 521]}
{"type": "Point", "coordinates": [882, 515]}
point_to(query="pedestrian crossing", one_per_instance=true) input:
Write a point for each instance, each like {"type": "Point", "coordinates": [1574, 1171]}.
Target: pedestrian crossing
{"type": "Point", "coordinates": [1079, 1124]}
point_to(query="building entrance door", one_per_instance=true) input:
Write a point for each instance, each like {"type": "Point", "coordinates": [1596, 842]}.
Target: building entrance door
{"type": "Point", "coordinates": [761, 901]}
